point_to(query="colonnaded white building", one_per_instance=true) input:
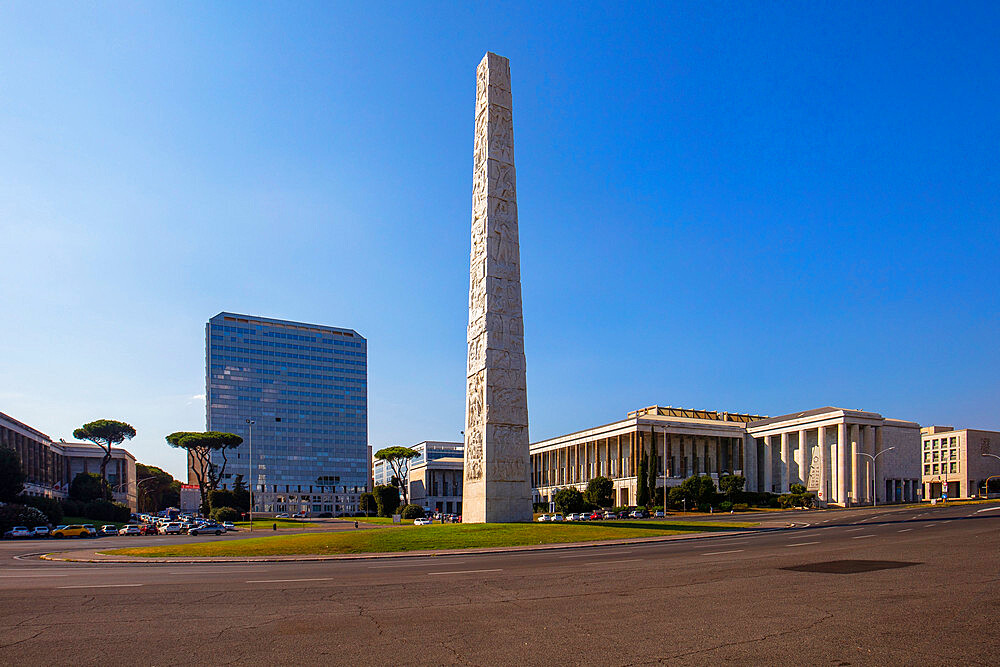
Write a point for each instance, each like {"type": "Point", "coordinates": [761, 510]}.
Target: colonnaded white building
{"type": "Point", "coordinates": [829, 450]}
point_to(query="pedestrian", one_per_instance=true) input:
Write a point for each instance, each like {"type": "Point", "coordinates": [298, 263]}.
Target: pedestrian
{"type": "Point", "coordinates": [355, 524]}
{"type": "Point", "coordinates": [274, 526]}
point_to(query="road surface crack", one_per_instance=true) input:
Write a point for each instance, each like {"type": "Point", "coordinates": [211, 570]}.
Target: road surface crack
{"type": "Point", "coordinates": [825, 617]}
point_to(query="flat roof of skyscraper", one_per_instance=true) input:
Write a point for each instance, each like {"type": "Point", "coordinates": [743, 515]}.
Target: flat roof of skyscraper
{"type": "Point", "coordinates": [251, 319]}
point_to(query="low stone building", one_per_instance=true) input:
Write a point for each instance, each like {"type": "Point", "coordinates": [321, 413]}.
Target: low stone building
{"type": "Point", "coordinates": [51, 466]}
{"type": "Point", "coordinates": [435, 476]}
{"type": "Point", "coordinates": [828, 450]}
{"type": "Point", "coordinates": [958, 463]}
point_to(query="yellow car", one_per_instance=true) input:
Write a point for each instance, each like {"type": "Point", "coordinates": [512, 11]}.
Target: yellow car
{"type": "Point", "coordinates": [75, 530]}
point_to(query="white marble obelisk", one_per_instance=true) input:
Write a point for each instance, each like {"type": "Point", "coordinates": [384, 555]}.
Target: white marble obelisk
{"type": "Point", "coordinates": [497, 487]}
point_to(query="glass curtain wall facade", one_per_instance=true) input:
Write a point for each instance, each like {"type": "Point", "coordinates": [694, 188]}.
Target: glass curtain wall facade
{"type": "Point", "coordinates": [305, 387]}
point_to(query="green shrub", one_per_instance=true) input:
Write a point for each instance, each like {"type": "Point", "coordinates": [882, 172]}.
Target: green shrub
{"type": "Point", "coordinates": [538, 508]}
{"type": "Point", "coordinates": [51, 507]}
{"type": "Point", "coordinates": [725, 506]}
{"type": "Point", "coordinates": [221, 498]}
{"type": "Point", "coordinates": [413, 512]}
{"type": "Point", "coordinates": [221, 514]}
{"type": "Point", "coordinates": [568, 500]}
{"type": "Point", "coordinates": [741, 507]}
{"type": "Point", "coordinates": [88, 486]}
{"type": "Point", "coordinates": [368, 505]}
{"type": "Point", "coordinates": [387, 499]}
{"type": "Point", "coordinates": [13, 514]}
{"type": "Point", "coordinates": [71, 507]}
{"type": "Point", "coordinates": [105, 510]}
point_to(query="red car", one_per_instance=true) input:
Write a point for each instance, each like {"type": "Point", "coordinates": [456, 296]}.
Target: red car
{"type": "Point", "coordinates": [147, 529]}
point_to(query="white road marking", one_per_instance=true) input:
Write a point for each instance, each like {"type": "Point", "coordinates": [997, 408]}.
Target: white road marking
{"type": "Point", "coordinates": [103, 586]}
{"type": "Point", "coordinates": [285, 581]}
{"type": "Point", "coordinates": [609, 562]}
{"type": "Point", "coordinates": [591, 555]}
{"type": "Point", "coordinates": [851, 530]}
{"type": "Point", "coordinates": [214, 571]}
{"type": "Point", "coordinates": [861, 537]}
{"type": "Point", "coordinates": [498, 569]}
{"type": "Point", "coordinates": [988, 509]}
{"type": "Point", "coordinates": [716, 553]}
{"type": "Point", "coordinates": [800, 544]}
{"type": "Point", "coordinates": [929, 525]}
{"type": "Point", "coordinates": [20, 576]}
{"type": "Point", "coordinates": [413, 564]}
{"type": "Point", "coordinates": [904, 530]}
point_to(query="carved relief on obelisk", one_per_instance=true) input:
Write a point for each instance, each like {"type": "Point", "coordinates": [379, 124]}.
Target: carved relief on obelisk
{"type": "Point", "coordinates": [496, 487]}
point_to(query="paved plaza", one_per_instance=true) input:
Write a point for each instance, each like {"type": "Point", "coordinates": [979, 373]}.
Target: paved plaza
{"type": "Point", "coordinates": [861, 586]}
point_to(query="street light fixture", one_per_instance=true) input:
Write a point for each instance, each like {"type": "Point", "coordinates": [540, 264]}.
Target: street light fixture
{"type": "Point", "coordinates": [250, 424]}
{"type": "Point", "coordinates": [878, 454]}
{"type": "Point", "coordinates": [991, 476]}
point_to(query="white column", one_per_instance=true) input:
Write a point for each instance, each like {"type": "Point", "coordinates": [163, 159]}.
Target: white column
{"type": "Point", "coordinates": [824, 492]}
{"type": "Point", "coordinates": [841, 463]}
{"type": "Point", "coordinates": [803, 458]}
{"type": "Point", "coordinates": [786, 464]}
{"type": "Point", "coordinates": [878, 448]}
{"type": "Point", "coordinates": [868, 440]}
{"type": "Point", "coordinates": [855, 440]}
{"type": "Point", "coordinates": [768, 465]}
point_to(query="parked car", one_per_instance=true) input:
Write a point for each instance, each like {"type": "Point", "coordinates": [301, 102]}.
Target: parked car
{"type": "Point", "coordinates": [40, 531]}
{"type": "Point", "coordinates": [659, 514]}
{"type": "Point", "coordinates": [149, 529]}
{"type": "Point", "coordinates": [228, 525]}
{"type": "Point", "coordinates": [639, 514]}
{"type": "Point", "coordinates": [216, 528]}
{"type": "Point", "coordinates": [280, 516]}
{"type": "Point", "coordinates": [556, 517]}
{"type": "Point", "coordinates": [17, 532]}
{"type": "Point", "coordinates": [595, 515]}
{"type": "Point", "coordinates": [543, 517]}
{"type": "Point", "coordinates": [74, 530]}
{"type": "Point", "coordinates": [131, 529]}
{"type": "Point", "coordinates": [109, 530]}
{"type": "Point", "coordinates": [423, 521]}
{"type": "Point", "coordinates": [608, 514]}
{"type": "Point", "coordinates": [172, 528]}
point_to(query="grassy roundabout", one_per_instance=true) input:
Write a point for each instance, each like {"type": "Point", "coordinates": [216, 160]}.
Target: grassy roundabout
{"type": "Point", "coordinates": [267, 524]}
{"type": "Point", "coordinates": [419, 538]}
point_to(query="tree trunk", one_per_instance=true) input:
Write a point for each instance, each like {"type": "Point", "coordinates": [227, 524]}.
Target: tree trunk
{"type": "Point", "coordinates": [104, 468]}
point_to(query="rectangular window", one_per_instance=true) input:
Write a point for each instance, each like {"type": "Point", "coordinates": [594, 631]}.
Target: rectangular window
{"type": "Point", "coordinates": [934, 470]}
{"type": "Point", "coordinates": [927, 469]}
{"type": "Point", "coordinates": [953, 468]}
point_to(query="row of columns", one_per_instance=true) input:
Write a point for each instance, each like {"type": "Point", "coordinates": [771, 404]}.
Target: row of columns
{"type": "Point", "coordinates": [617, 457]}
{"type": "Point", "coordinates": [837, 473]}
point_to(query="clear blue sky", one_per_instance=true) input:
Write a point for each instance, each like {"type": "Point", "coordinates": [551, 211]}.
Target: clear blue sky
{"type": "Point", "coordinates": [759, 207]}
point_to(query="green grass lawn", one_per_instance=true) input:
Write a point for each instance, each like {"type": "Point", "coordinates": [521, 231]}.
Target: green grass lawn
{"type": "Point", "coordinates": [437, 536]}
{"type": "Point", "coordinates": [266, 524]}
{"type": "Point", "coordinates": [378, 520]}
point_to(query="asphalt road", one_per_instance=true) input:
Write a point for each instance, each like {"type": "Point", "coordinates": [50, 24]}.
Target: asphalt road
{"type": "Point", "coordinates": [932, 598]}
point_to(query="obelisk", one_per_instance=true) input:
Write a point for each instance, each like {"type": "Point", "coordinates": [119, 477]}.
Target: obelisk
{"type": "Point", "coordinates": [496, 487]}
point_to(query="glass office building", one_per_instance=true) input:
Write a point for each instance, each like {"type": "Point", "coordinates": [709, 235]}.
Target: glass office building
{"type": "Point", "coordinates": [305, 388]}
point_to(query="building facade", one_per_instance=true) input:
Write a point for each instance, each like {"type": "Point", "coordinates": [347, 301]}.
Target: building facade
{"type": "Point", "coordinates": [824, 449]}
{"type": "Point", "coordinates": [958, 463]}
{"type": "Point", "coordinates": [435, 476]}
{"type": "Point", "coordinates": [305, 388]}
{"type": "Point", "coordinates": [50, 467]}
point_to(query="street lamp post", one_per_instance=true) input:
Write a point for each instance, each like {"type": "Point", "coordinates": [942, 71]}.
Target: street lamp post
{"type": "Point", "coordinates": [250, 424]}
{"type": "Point", "coordinates": [877, 454]}
{"type": "Point", "coordinates": [990, 477]}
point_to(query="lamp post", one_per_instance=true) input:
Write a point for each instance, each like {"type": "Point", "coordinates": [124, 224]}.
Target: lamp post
{"type": "Point", "coordinates": [991, 476]}
{"type": "Point", "coordinates": [250, 424]}
{"type": "Point", "coordinates": [877, 454]}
